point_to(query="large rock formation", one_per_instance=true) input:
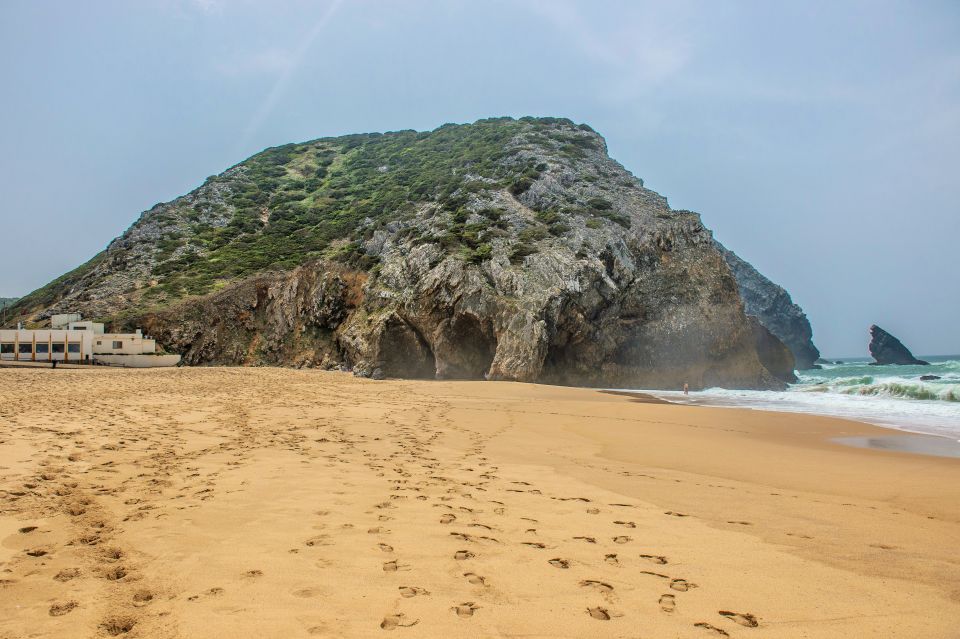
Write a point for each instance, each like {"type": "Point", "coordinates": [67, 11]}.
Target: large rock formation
{"type": "Point", "coordinates": [887, 349]}
{"type": "Point", "coordinates": [505, 249]}
{"type": "Point", "coordinates": [773, 354]}
{"type": "Point", "coordinates": [772, 305]}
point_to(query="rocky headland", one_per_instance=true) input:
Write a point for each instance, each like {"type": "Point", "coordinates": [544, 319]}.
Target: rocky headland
{"type": "Point", "coordinates": [503, 249]}
{"type": "Point", "coordinates": [772, 305]}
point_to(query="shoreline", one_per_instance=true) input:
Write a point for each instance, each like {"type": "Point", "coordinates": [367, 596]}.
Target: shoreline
{"type": "Point", "coordinates": [899, 439]}
{"type": "Point", "coordinates": [223, 502]}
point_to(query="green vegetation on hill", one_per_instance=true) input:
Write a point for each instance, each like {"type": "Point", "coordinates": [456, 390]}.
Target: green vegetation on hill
{"type": "Point", "coordinates": [330, 198]}
{"type": "Point", "coordinates": [321, 198]}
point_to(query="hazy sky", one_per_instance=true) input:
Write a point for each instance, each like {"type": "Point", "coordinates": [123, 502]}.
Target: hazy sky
{"type": "Point", "coordinates": [819, 140]}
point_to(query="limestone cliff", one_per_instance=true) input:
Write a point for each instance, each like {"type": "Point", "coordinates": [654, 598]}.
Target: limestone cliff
{"type": "Point", "coordinates": [772, 305]}
{"type": "Point", "coordinates": [505, 249]}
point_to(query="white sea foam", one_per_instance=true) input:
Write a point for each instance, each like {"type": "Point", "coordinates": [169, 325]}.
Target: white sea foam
{"type": "Point", "coordinates": [892, 396]}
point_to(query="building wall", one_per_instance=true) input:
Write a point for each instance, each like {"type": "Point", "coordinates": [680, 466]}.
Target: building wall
{"type": "Point", "coordinates": [46, 345]}
{"type": "Point", "coordinates": [129, 344]}
{"type": "Point", "coordinates": [139, 361]}
{"type": "Point", "coordinates": [61, 320]}
{"type": "Point", "coordinates": [96, 327]}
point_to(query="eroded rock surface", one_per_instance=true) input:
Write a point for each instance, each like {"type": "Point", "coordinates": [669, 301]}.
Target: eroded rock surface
{"type": "Point", "coordinates": [887, 349]}
{"type": "Point", "coordinates": [775, 309]}
{"type": "Point", "coordinates": [504, 249]}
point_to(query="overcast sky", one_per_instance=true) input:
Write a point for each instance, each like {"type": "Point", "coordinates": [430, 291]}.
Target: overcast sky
{"type": "Point", "coordinates": [819, 140]}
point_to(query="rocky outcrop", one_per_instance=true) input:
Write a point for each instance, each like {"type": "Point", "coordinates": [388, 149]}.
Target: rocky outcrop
{"type": "Point", "coordinates": [558, 320]}
{"type": "Point", "coordinates": [773, 354]}
{"type": "Point", "coordinates": [887, 349]}
{"type": "Point", "coordinates": [514, 250]}
{"type": "Point", "coordinates": [772, 305]}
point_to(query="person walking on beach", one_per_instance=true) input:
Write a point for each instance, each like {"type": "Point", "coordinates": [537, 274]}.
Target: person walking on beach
{"type": "Point", "coordinates": [686, 388]}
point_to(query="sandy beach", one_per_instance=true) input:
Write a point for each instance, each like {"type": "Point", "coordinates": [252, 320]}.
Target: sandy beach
{"type": "Point", "coordinates": [229, 502]}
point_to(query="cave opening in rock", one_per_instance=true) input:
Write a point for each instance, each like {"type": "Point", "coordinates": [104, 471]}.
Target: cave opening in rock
{"type": "Point", "coordinates": [404, 352]}
{"type": "Point", "coordinates": [471, 350]}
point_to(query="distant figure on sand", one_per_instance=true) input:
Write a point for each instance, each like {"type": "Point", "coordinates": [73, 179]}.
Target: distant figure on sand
{"type": "Point", "coordinates": [686, 388]}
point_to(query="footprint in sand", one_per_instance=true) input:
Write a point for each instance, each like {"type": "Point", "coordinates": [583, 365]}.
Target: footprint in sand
{"type": "Point", "coordinates": [319, 540]}
{"type": "Point", "coordinates": [448, 518]}
{"type": "Point", "coordinates": [534, 544]}
{"type": "Point", "coordinates": [622, 539]}
{"type": "Point", "coordinates": [682, 585]}
{"type": "Point", "coordinates": [668, 603]}
{"type": "Point", "coordinates": [391, 622]}
{"type": "Point", "coordinates": [744, 619]}
{"type": "Point", "coordinates": [711, 628]}
{"type": "Point", "coordinates": [412, 591]}
{"type": "Point", "coordinates": [626, 524]}
{"type": "Point", "coordinates": [142, 597]}
{"type": "Point", "coordinates": [385, 547]}
{"type": "Point", "coordinates": [118, 625]}
{"type": "Point", "coordinates": [67, 574]}
{"type": "Point", "coordinates": [392, 566]}
{"type": "Point", "coordinates": [657, 559]}
{"type": "Point", "coordinates": [115, 574]}
{"type": "Point", "coordinates": [611, 559]}
{"type": "Point", "coordinates": [60, 609]}
{"type": "Point", "coordinates": [589, 540]}
{"type": "Point", "coordinates": [465, 609]}
{"type": "Point", "coordinates": [673, 514]}
{"type": "Point", "coordinates": [599, 613]}
{"type": "Point", "coordinates": [559, 563]}
{"type": "Point", "coordinates": [475, 579]}
{"type": "Point", "coordinates": [593, 511]}
{"type": "Point", "coordinates": [463, 554]}
{"type": "Point", "coordinates": [599, 586]}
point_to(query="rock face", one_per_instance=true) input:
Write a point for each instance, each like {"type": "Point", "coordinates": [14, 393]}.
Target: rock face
{"type": "Point", "coordinates": [772, 305]}
{"type": "Point", "coordinates": [773, 354]}
{"type": "Point", "coordinates": [506, 249]}
{"type": "Point", "coordinates": [887, 349]}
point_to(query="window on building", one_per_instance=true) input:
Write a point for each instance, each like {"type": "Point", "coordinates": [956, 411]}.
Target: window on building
{"type": "Point", "coordinates": [26, 349]}
{"type": "Point", "coordinates": [117, 344]}
{"type": "Point", "coordinates": [58, 347]}
{"type": "Point", "coordinates": [43, 349]}
{"type": "Point", "coordinates": [99, 343]}
{"type": "Point", "coordinates": [73, 347]}
{"type": "Point", "coordinates": [6, 348]}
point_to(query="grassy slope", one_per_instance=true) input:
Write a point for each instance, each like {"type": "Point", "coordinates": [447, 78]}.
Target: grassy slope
{"type": "Point", "coordinates": [320, 198]}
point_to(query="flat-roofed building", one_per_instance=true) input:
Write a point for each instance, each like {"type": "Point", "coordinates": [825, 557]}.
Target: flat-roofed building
{"type": "Point", "coordinates": [61, 320]}
{"type": "Point", "coordinates": [46, 345]}
{"type": "Point", "coordinates": [78, 341]}
{"type": "Point", "coordinates": [123, 344]}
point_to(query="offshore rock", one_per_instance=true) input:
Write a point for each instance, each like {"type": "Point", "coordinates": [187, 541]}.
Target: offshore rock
{"type": "Point", "coordinates": [772, 305]}
{"type": "Point", "coordinates": [887, 349]}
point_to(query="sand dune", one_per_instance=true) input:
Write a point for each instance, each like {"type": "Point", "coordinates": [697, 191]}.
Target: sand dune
{"type": "Point", "coordinates": [281, 503]}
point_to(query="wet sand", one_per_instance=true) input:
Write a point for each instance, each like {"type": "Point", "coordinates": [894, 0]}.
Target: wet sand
{"type": "Point", "coordinates": [279, 503]}
{"type": "Point", "coordinates": [921, 444]}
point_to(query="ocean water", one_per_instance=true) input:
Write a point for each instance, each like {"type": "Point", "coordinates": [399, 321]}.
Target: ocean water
{"type": "Point", "coordinates": [892, 396]}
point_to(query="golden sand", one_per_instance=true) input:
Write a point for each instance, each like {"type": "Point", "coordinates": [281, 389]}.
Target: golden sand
{"type": "Point", "coordinates": [279, 503]}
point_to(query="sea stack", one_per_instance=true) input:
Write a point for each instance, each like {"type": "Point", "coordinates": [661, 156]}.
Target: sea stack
{"type": "Point", "coordinates": [887, 349]}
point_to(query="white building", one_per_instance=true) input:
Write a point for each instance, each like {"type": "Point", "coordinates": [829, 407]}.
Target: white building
{"type": "Point", "coordinates": [72, 340]}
